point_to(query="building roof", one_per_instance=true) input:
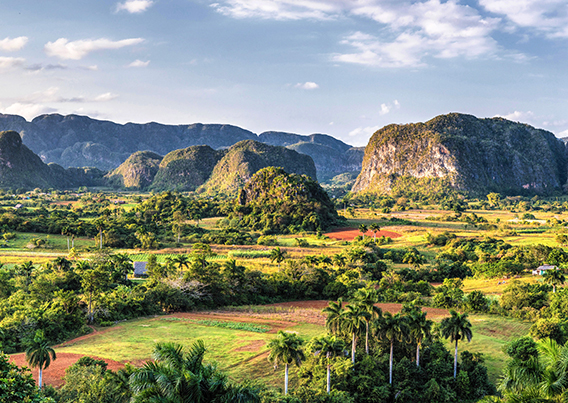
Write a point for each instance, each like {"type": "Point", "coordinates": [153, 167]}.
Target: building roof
{"type": "Point", "coordinates": [140, 268]}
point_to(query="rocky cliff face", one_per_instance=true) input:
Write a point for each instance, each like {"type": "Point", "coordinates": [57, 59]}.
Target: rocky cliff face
{"type": "Point", "coordinates": [469, 154]}
{"type": "Point", "coordinates": [21, 168]}
{"type": "Point", "coordinates": [74, 140]}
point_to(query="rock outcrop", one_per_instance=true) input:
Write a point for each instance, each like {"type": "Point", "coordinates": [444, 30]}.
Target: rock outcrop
{"type": "Point", "coordinates": [468, 154]}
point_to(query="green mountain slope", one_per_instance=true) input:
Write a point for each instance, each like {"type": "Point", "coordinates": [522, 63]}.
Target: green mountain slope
{"type": "Point", "coordinates": [186, 169]}
{"type": "Point", "coordinates": [247, 157]}
{"type": "Point", "coordinates": [21, 168]}
{"type": "Point", "coordinates": [137, 172]}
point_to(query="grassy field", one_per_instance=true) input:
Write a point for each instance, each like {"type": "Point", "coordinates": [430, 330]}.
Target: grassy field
{"type": "Point", "coordinates": [243, 353]}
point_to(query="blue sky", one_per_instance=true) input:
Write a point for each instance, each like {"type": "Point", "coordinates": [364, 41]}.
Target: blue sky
{"type": "Point", "coordinates": [342, 67]}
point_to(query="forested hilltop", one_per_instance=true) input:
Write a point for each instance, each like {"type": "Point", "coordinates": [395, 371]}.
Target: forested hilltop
{"type": "Point", "coordinates": [464, 153]}
{"type": "Point", "coordinates": [78, 141]}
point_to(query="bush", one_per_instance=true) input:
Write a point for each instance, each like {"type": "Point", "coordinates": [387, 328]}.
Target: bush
{"type": "Point", "coordinates": [546, 328]}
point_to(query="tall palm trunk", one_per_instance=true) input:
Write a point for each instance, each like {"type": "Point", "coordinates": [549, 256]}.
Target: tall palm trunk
{"type": "Point", "coordinates": [40, 376]}
{"type": "Point", "coordinates": [90, 309]}
{"type": "Point", "coordinates": [353, 346]}
{"type": "Point", "coordinates": [67, 243]}
{"type": "Point", "coordinates": [418, 354]}
{"type": "Point", "coordinates": [456, 361]}
{"type": "Point", "coordinates": [390, 361]}
{"type": "Point", "coordinates": [328, 375]}
{"type": "Point", "coordinates": [286, 379]}
{"type": "Point", "coordinates": [101, 235]}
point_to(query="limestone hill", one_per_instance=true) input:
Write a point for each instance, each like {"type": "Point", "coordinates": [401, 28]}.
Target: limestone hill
{"type": "Point", "coordinates": [137, 172]}
{"type": "Point", "coordinates": [464, 153]}
{"type": "Point", "coordinates": [21, 168]}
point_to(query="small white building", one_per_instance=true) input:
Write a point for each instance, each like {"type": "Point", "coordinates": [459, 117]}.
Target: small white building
{"type": "Point", "coordinates": [539, 271]}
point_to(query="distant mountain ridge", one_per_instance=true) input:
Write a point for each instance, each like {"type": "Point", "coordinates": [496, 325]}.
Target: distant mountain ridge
{"type": "Point", "coordinates": [207, 170]}
{"type": "Point", "coordinates": [77, 141]}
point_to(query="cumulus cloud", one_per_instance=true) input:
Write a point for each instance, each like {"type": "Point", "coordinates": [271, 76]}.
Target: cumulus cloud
{"type": "Point", "coordinates": [280, 9]}
{"type": "Point", "coordinates": [387, 108]}
{"type": "Point", "coordinates": [517, 116]}
{"type": "Point", "coordinates": [562, 134]}
{"type": "Point", "coordinates": [134, 6]}
{"type": "Point", "coordinates": [308, 85]}
{"type": "Point", "coordinates": [28, 111]}
{"type": "Point", "coordinates": [76, 50]}
{"type": "Point", "coordinates": [407, 31]}
{"type": "Point", "coordinates": [107, 96]}
{"type": "Point", "coordinates": [139, 63]}
{"type": "Point", "coordinates": [364, 131]}
{"type": "Point", "coordinates": [11, 45]}
{"type": "Point", "coordinates": [7, 63]}
{"type": "Point", "coordinates": [546, 16]}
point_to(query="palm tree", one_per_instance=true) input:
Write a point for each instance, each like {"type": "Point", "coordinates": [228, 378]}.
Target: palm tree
{"type": "Point", "coordinates": [375, 228]}
{"type": "Point", "coordinates": [182, 261]}
{"type": "Point", "coordinates": [334, 312]}
{"type": "Point", "coordinates": [178, 376]}
{"type": "Point", "coordinates": [420, 329]}
{"type": "Point", "coordinates": [363, 229]}
{"type": "Point", "coordinates": [277, 255]}
{"type": "Point", "coordinates": [367, 298]}
{"type": "Point", "coordinates": [457, 327]}
{"type": "Point", "coordinates": [123, 263]}
{"type": "Point", "coordinates": [39, 354]}
{"type": "Point", "coordinates": [286, 348]}
{"type": "Point", "coordinates": [329, 347]}
{"type": "Point", "coordinates": [353, 319]}
{"type": "Point", "coordinates": [339, 259]}
{"type": "Point", "coordinates": [540, 378]}
{"type": "Point", "coordinates": [554, 277]}
{"type": "Point", "coordinates": [392, 328]}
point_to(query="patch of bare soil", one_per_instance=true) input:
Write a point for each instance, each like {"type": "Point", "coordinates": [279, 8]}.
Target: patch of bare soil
{"type": "Point", "coordinates": [54, 374]}
{"type": "Point", "coordinates": [348, 234]}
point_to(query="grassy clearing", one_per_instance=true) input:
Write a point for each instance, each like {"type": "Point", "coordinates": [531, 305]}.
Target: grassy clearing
{"type": "Point", "coordinates": [490, 335]}
{"type": "Point", "coordinates": [491, 286]}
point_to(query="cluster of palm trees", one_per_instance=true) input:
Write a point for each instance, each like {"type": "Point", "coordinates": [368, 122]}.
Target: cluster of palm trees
{"type": "Point", "coordinates": [362, 317]}
{"type": "Point", "coordinates": [373, 227]}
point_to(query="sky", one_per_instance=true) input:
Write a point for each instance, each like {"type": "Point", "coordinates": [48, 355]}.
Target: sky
{"type": "Point", "coordinates": [340, 67]}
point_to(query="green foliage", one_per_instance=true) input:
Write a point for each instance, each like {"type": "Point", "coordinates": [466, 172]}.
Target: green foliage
{"type": "Point", "coordinates": [274, 201]}
{"type": "Point", "coordinates": [18, 385]}
{"type": "Point", "coordinates": [249, 327]}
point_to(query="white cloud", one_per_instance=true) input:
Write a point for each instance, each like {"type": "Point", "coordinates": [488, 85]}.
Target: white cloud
{"type": "Point", "coordinates": [308, 85]}
{"type": "Point", "coordinates": [42, 67]}
{"type": "Point", "coordinates": [76, 50]}
{"type": "Point", "coordinates": [364, 131]}
{"type": "Point", "coordinates": [11, 45]}
{"type": "Point", "coordinates": [517, 116]}
{"type": "Point", "coordinates": [407, 31]}
{"type": "Point", "coordinates": [139, 63]}
{"type": "Point", "coordinates": [107, 96]}
{"type": "Point", "coordinates": [562, 134]}
{"type": "Point", "coordinates": [7, 63]}
{"type": "Point", "coordinates": [134, 6]}
{"type": "Point", "coordinates": [280, 9]}
{"type": "Point", "coordinates": [547, 16]}
{"type": "Point", "coordinates": [28, 111]}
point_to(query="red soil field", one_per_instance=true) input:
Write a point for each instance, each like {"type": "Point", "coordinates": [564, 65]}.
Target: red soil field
{"type": "Point", "coordinates": [348, 234]}
{"type": "Point", "coordinates": [386, 307]}
{"type": "Point", "coordinates": [54, 374]}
